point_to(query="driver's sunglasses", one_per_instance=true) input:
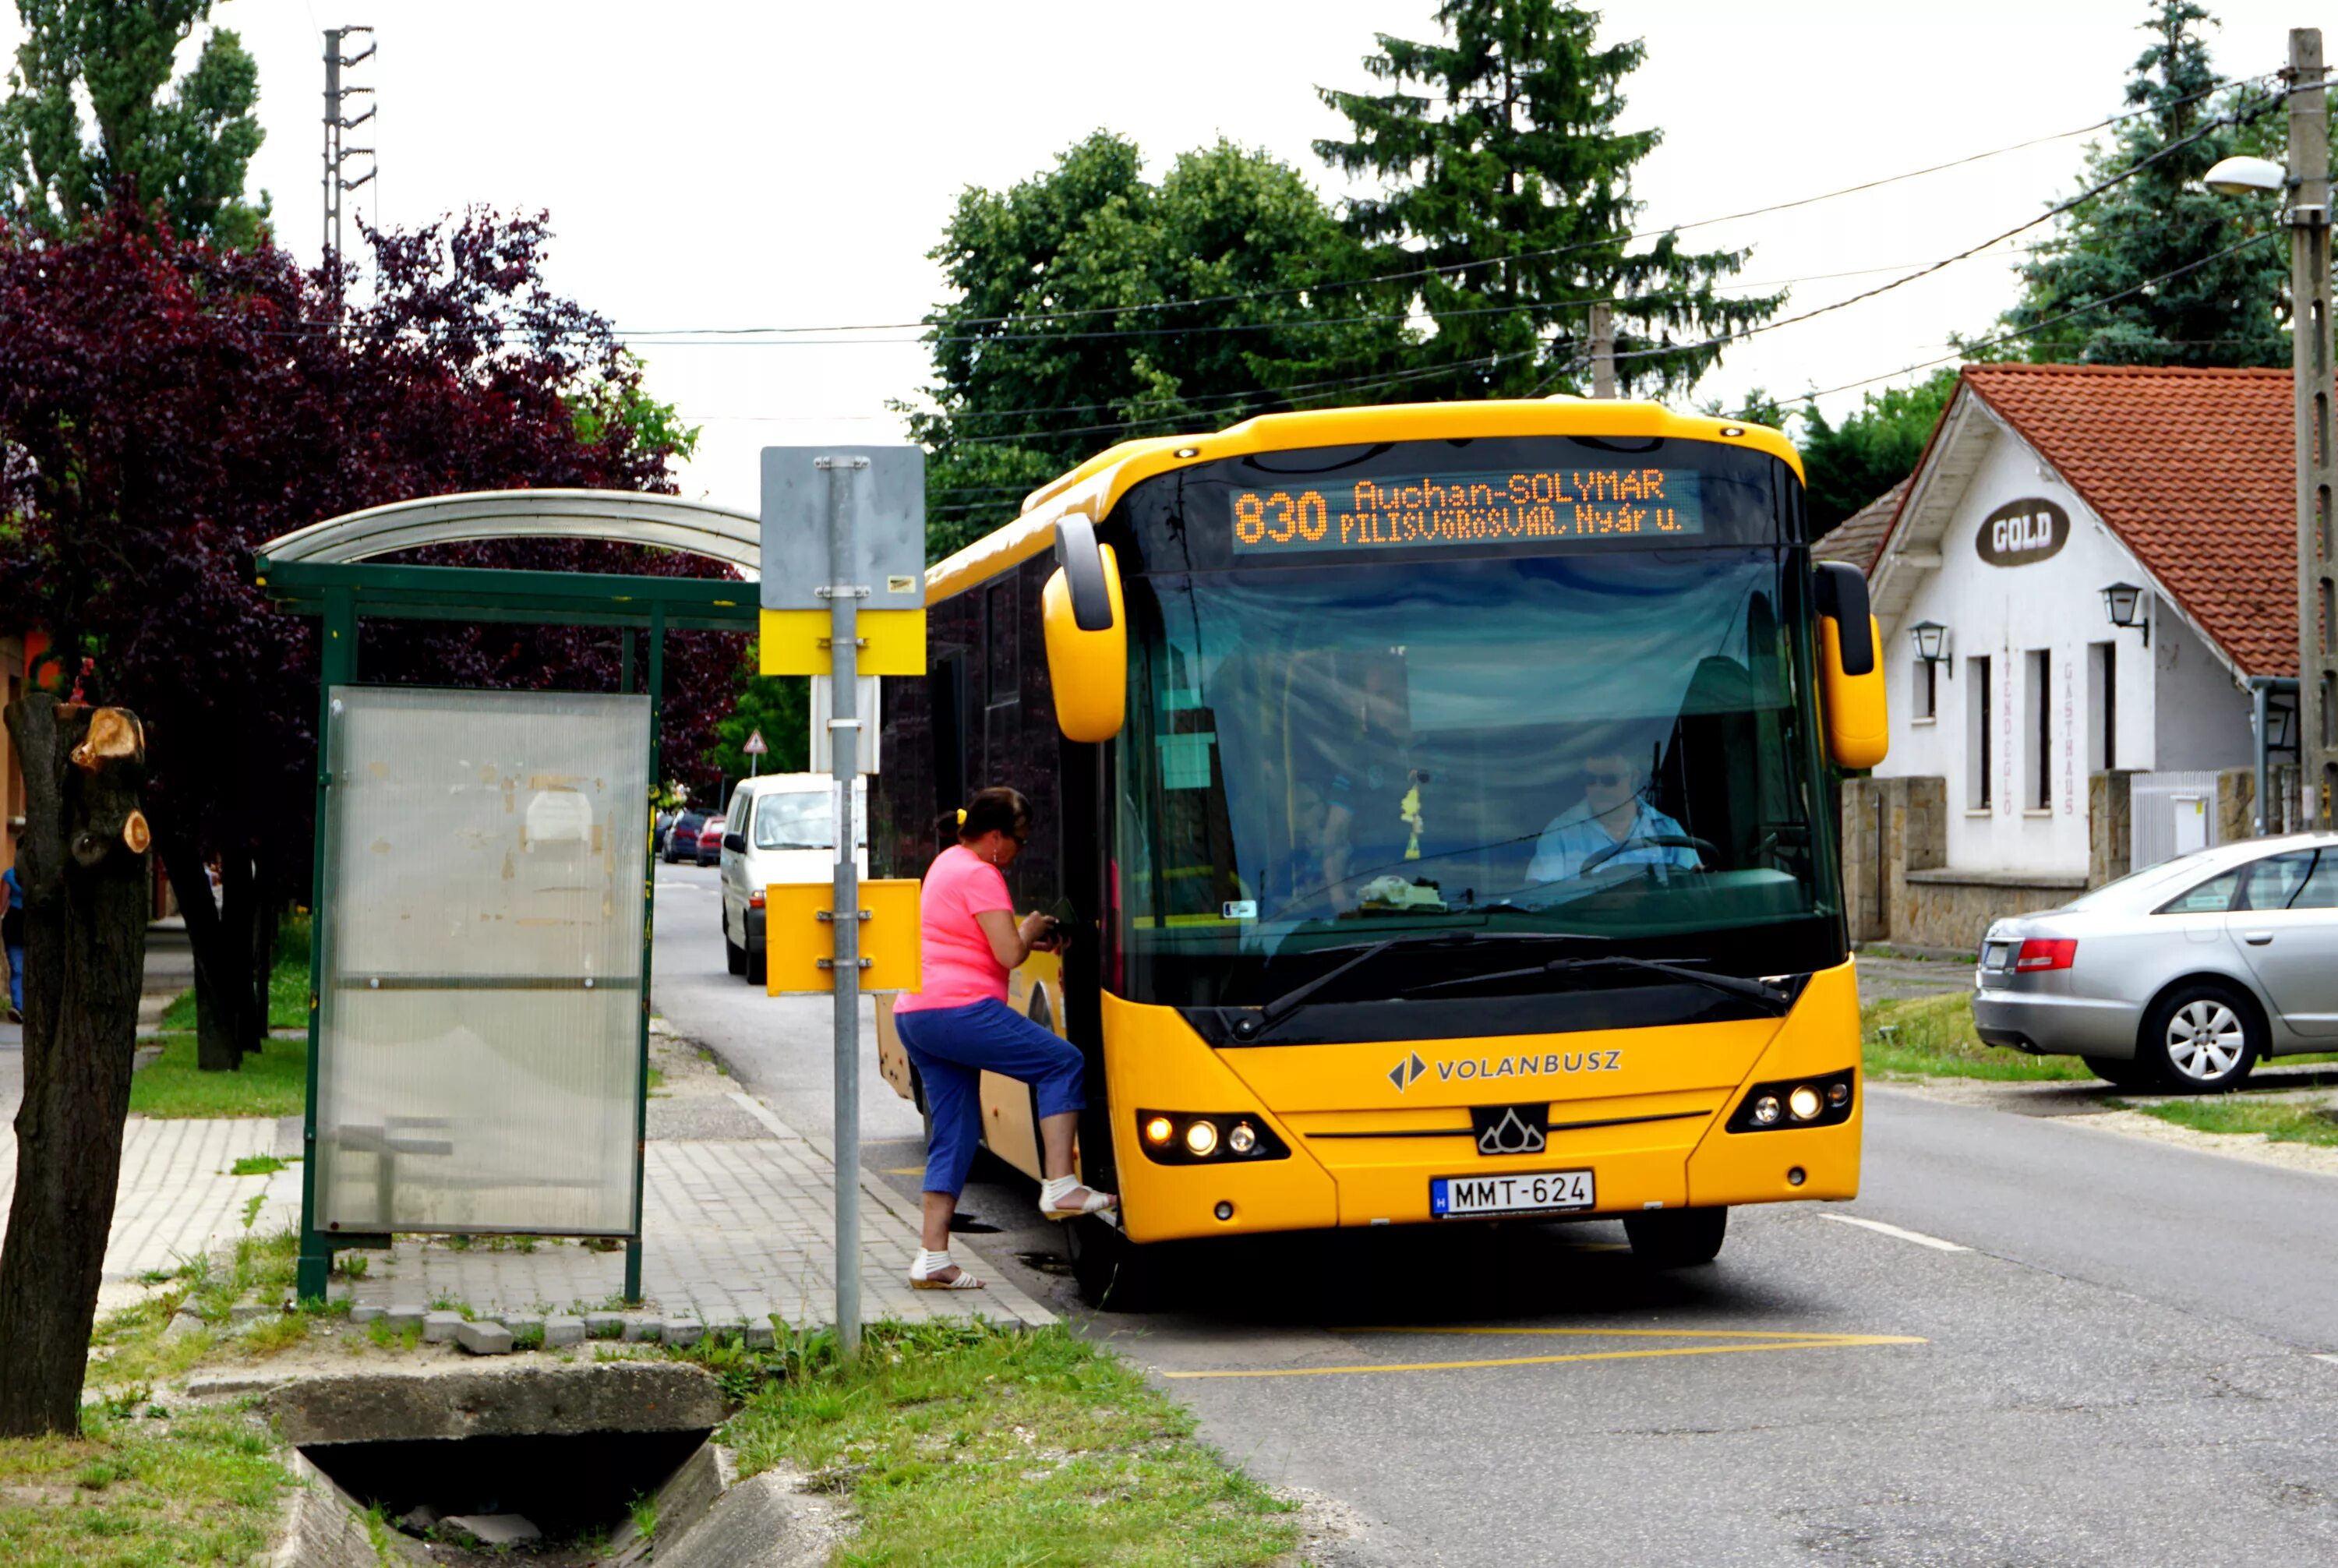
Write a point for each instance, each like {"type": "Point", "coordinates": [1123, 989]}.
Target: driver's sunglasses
{"type": "Point", "coordinates": [1607, 780]}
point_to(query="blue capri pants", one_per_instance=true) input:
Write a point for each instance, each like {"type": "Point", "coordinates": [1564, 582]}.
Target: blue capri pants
{"type": "Point", "coordinates": [952, 1047]}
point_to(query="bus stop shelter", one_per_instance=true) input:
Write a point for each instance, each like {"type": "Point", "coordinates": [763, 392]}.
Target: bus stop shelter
{"type": "Point", "coordinates": [483, 894]}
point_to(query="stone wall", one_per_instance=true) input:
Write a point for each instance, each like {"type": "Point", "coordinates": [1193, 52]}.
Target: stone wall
{"type": "Point", "coordinates": [2236, 805]}
{"type": "Point", "coordinates": [1892, 829]}
{"type": "Point", "coordinates": [1948, 910]}
{"type": "Point", "coordinates": [2110, 827]}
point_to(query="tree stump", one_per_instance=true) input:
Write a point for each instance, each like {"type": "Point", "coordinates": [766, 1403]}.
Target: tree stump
{"type": "Point", "coordinates": [83, 865]}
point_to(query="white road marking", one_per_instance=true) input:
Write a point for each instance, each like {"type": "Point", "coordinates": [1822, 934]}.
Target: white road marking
{"type": "Point", "coordinates": [1878, 1226]}
{"type": "Point", "coordinates": [2319, 1356]}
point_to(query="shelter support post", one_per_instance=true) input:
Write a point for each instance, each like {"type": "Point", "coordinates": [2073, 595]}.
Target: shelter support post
{"type": "Point", "coordinates": [655, 659]}
{"type": "Point", "coordinates": [845, 475]}
{"type": "Point", "coordinates": [2317, 466]}
{"type": "Point", "coordinates": [337, 665]}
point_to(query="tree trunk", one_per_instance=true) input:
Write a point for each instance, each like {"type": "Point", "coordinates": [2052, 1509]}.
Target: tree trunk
{"type": "Point", "coordinates": [222, 955]}
{"type": "Point", "coordinates": [267, 921]}
{"type": "Point", "coordinates": [83, 868]}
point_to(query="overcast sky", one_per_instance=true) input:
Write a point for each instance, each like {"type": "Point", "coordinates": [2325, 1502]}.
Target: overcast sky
{"type": "Point", "coordinates": [726, 164]}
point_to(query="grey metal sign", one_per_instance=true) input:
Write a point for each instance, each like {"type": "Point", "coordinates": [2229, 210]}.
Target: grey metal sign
{"type": "Point", "coordinates": [888, 527]}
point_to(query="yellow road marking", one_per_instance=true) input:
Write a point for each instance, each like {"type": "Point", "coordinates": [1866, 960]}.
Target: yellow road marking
{"type": "Point", "coordinates": [1747, 1340]}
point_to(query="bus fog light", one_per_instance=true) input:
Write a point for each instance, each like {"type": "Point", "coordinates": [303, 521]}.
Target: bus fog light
{"type": "Point", "coordinates": [1200, 1139]}
{"type": "Point", "coordinates": [1795, 1178]}
{"type": "Point", "coordinates": [1157, 1131]}
{"type": "Point", "coordinates": [1838, 1094]}
{"type": "Point", "coordinates": [1224, 1210]}
{"type": "Point", "coordinates": [1241, 1141]}
{"type": "Point", "coordinates": [1766, 1111]}
{"type": "Point", "coordinates": [1803, 1102]}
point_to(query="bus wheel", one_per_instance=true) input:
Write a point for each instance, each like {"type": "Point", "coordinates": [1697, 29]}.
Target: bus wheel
{"type": "Point", "coordinates": [1676, 1237]}
{"type": "Point", "coordinates": [1114, 1273]}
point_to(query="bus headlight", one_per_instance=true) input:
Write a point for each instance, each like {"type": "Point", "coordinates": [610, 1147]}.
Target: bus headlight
{"type": "Point", "coordinates": [1821, 1100]}
{"type": "Point", "coordinates": [1206, 1138]}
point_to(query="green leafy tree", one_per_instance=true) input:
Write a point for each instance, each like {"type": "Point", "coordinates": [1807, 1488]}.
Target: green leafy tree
{"type": "Point", "coordinates": [1510, 192]}
{"type": "Point", "coordinates": [183, 155]}
{"type": "Point", "coordinates": [780, 706]}
{"type": "Point", "coordinates": [2229, 312]}
{"type": "Point", "coordinates": [1093, 305]}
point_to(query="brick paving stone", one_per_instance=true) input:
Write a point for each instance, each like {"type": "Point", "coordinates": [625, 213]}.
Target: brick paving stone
{"type": "Point", "coordinates": [559, 1333]}
{"type": "Point", "coordinates": [438, 1328]}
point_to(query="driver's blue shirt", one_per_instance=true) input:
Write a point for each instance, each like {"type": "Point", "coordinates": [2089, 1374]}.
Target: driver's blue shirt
{"type": "Point", "coordinates": [1574, 837]}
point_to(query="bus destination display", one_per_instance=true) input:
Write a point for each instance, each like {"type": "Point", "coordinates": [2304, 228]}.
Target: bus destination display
{"type": "Point", "coordinates": [1462, 510]}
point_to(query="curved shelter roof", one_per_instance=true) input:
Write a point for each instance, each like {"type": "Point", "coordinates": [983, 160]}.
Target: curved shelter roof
{"type": "Point", "coordinates": [617, 516]}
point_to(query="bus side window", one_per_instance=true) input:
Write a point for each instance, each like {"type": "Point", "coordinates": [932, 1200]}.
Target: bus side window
{"type": "Point", "coordinates": [947, 692]}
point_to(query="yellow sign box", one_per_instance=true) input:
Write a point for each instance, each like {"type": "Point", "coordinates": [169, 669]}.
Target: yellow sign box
{"type": "Point", "coordinates": [795, 642]}
{"type": "Point", "coordinates": [797, 936]}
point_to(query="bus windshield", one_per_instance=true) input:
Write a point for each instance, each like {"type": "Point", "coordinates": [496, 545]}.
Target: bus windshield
{"type": "Point", "coordinates": [1614, 746]}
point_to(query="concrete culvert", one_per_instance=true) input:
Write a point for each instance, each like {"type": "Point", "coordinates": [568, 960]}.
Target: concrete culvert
{"type": "Point", "coordinates": [572, 1466]}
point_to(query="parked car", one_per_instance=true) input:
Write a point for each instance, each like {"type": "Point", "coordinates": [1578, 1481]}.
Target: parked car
{"type": "Point", "coordinates": [709, 841]}
{"type": "Point", "coordinates": [2178, 978]}
{"type": "Point", "coordinates": [682, 836]}
{"type": "Point", "coordinates": [661, 827]}
{"type": "Point", "coordinates": [785, 832]}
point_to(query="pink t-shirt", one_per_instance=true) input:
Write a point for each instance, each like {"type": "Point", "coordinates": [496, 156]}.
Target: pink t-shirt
{"type": "Point", "coordinates": [957, 966]}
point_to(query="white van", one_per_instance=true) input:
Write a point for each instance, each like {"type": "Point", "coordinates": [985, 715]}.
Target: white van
{"type": "Point", "coordinates": [782, 828]}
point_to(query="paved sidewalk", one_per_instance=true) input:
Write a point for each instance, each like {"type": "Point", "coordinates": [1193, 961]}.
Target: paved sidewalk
{"type": "Point", "coordinates": [738, 1218]}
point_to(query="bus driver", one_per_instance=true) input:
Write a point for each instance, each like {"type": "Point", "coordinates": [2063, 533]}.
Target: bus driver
{"type": "Point", "coordinates": [1612, 813]}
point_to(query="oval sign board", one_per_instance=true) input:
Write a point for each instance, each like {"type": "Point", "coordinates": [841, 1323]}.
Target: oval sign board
{"type": "Point", "coordinates": [2020, 532]}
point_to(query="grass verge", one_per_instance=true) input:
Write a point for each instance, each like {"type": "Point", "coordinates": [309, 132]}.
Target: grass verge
{"type": "Point", "coordinates": [136, 1489]}
{"type": "Point", "coordinates": [2281, 1121]}
{"type": "Point", "coordinates": [288, 984]}
{"type": "Point", "coordinates": [1933, 1036]}
{"type": "Point", "coordinates": [272, 1081]}
{"type": "Point", "coordinates": [962, 1443]}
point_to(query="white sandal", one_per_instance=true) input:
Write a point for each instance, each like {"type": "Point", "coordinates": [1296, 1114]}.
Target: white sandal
{"type": "Point", "coordinates": [1056, 1189]}
{"type": "Point", "coordinates": [928, 1264]}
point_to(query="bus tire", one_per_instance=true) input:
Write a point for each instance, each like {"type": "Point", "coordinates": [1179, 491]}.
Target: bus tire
{"type": "Point", "coordinates": [1114, 1273]}
{"type": "Point", "coordinates": [1676, 1237]}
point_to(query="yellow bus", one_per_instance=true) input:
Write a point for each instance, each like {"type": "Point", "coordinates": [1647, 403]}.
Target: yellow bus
{"type": "Point", "coordinates": [1438, 801]}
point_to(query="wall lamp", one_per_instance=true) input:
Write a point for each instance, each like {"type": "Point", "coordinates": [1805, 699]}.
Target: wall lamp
{"type": "Point", "coordinates": [2123, 602]}
{"type": "Point", "coordinates": [1931, 639]}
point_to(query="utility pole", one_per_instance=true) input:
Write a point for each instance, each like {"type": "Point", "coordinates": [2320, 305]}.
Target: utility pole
{"type": "Point", "coordinates": [2310, 336]}
{"type": "Point", "coordinates": [337, 155]}
{"type": "Point", "coordinates": [1603, 351]}
{"type": "Point", "coordinates": [847, 477]}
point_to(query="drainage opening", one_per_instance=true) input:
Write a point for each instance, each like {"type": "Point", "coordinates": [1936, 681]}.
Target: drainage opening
{"type": "Point", "coordinates": [569, 1492]}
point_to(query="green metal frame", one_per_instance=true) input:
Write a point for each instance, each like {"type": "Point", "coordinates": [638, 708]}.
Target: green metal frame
{"type": "Point", "coordinates": [343, 594]}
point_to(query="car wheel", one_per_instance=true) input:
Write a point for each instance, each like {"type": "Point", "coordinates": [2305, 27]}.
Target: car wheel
{"type": "Point", "coordinates": [734, 957]}
{"type": "Point", "coordinates": [2202, 1037]}
{"type": "Point", "coordinates": [2126, 1074]}
{"type": "Point", "coordinates": [1676, 1237]}
{"type": "Point", "coordinates": [758, 962]}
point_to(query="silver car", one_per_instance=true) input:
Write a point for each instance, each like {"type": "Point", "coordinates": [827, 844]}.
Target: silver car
{"type": "Point", "coordinates": [2180, 977]}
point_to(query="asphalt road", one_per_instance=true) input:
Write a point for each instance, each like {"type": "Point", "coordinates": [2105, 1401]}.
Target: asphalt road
{"type": "Point", "coordinates": [2078, 1348]}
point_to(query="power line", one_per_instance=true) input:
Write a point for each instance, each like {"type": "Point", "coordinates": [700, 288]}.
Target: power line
{"type": "Point", "coordinates": [1964, 351]}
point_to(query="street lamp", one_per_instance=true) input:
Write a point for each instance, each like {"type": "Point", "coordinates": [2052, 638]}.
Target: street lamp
{"type": "Point", "coordinates": [2303, 187]}
{"type": "Point", "coordinates": [1931, 641]}
{"type": "Point", "coordinates": [2123, 602]}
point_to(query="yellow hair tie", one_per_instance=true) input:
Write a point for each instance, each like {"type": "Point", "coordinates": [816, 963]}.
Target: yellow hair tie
{"type": "Point", "coordinates": [961, 816]}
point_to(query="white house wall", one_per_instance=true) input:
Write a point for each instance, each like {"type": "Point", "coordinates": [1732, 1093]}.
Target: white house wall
{"type": "Point", "coordinates": [2004, 613]}
{"type": "Point", "coordinates": [2203, 718]}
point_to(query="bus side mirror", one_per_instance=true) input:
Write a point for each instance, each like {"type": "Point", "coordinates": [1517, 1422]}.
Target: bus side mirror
{"type": "Point", "coordinates": [1087, 634]}
{"type": "Point", "coordinates": [1851, 677]}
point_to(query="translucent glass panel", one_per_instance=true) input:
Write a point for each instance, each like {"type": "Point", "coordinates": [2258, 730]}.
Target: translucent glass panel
{"type": "Point", "coordinates": [479, 1060]}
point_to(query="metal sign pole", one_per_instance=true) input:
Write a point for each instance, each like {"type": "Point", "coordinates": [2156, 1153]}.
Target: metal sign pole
{"type": "Point", "coordinates": [844, 598]}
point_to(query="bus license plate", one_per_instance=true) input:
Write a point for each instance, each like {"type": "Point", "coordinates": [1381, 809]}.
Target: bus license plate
{"type": "Point", "coordinates": [1529, 1193]}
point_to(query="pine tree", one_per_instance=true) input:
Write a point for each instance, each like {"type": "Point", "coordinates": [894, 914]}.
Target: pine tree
{"type": "Point", "coordinates": [184, 157]}
{"type": "Point", "coordinates": [2230, 311]}
{"type": "Point", "coordinates": [1510, 192]}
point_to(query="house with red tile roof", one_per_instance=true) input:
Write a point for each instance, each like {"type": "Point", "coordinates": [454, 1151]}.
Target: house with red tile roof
{"type": "Point", "coordinates": [2048, 744]}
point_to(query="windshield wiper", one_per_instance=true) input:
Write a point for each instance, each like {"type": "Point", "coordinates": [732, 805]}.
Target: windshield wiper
{"type": "Point", "coordinates": [1777, 998]}
{"type": "Point", "coordinates": [1254, 1026]}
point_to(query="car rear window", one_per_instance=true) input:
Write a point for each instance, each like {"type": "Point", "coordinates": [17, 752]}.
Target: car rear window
{"type": "Point", "coordinates": [2213, 897]}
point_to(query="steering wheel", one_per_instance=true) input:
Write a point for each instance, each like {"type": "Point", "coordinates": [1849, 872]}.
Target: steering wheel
{"type": "Point", "coordinates": [1705, 847]}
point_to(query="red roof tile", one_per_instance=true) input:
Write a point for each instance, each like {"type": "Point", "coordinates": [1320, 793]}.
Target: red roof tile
{"type": "Point", "coordinates": [2195, 470]}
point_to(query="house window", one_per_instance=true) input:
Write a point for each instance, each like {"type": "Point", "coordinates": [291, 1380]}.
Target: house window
{"type": "Point", "coordinates": [1977, 735]}
{"type": "Point", "coordinates": [1925, 700]}
{"type": "Point", "coordinates": [2102, 706]}
{"type": "Point", "coordinates": [2037, 723]}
